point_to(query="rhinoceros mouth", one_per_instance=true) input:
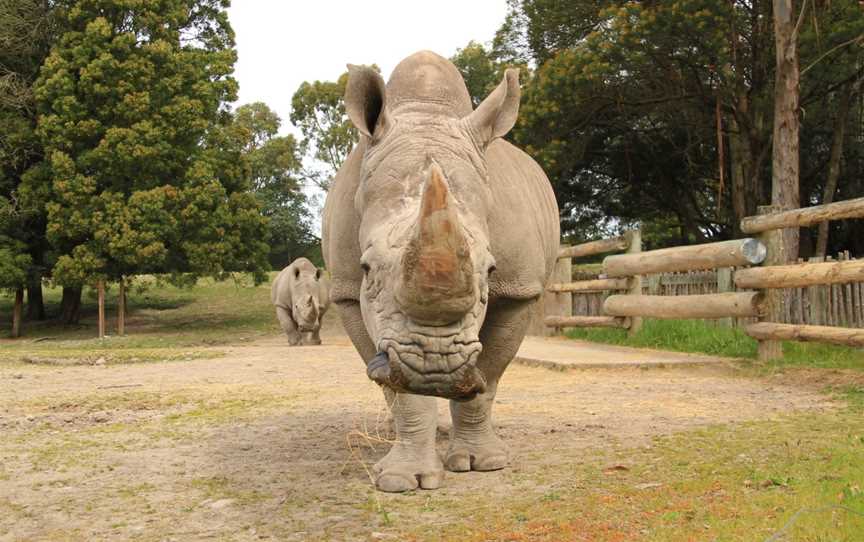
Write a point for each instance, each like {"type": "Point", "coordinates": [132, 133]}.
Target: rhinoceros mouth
{"type": "Point", "coordinates": [444, 366]}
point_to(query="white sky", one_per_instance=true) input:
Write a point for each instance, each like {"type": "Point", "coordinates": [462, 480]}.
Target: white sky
{"type": "Point", "coordinates": [282, 43]}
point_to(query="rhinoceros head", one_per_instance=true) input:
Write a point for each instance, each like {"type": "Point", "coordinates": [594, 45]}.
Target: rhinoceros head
{"type": "Point", "coordinates": [423, 200]}
{"type": "Point", "coordinates": [305, 305]}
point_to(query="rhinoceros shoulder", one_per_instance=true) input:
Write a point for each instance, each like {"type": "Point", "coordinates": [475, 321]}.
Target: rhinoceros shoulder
{"type": "Point", "coordinates": [523, 223]}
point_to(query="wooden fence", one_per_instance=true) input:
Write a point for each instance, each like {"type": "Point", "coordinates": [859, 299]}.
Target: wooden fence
{"type": "Point", "coordinates": [830, 304]}
{"type": "Point", "coordinates": [806, 301]}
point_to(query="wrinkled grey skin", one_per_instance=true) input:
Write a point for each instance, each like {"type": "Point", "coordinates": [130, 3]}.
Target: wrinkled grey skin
{"type": "Point", "coordinates": [439, 237]}
{"type": "Point", "coordinates": [301, 295]}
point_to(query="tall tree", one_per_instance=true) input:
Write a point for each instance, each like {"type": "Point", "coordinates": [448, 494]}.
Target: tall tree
{"type": "Point", "coordinates": [785, 188]}
{"type": "Point", "coordinates": [28, 28]}
{"type": "Point", "coordinates": [145, 177]}
{"type": "Point", "coordinates": [318, 110]}
{"type": "Point", "coordinates": [628, 100]}
{"type": "Point", "coordinates": [276, 172]}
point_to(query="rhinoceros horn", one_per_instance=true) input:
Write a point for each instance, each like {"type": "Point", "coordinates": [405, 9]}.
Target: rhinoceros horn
{"type": "Point", "coordinates": [437, 277]}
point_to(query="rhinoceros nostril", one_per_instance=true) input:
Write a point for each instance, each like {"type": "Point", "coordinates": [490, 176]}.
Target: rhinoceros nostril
{"type": "Point", "coordinates": [378, 369]}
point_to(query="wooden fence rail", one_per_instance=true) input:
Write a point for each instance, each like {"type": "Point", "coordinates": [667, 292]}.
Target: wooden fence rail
{"type": "Point", "coordinates": [804, 302]}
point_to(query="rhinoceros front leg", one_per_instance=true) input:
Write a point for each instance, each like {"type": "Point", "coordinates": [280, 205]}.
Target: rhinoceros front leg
{"type": "Point", "coordinates": [413, 460]}
{"type": "Point", "coordinates": [473, 442]}
{"type": "Point", "coordinates": [288, 325]}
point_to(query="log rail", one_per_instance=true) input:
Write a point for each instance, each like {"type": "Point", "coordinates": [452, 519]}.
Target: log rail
{"type": "Point", "coordinates": [621, 275]}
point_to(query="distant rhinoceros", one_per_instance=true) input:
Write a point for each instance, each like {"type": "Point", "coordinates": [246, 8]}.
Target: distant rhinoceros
{"type": "Point", "coordinates": [439, 237]}
{"type": "Point", "coordinates": [301, 294]}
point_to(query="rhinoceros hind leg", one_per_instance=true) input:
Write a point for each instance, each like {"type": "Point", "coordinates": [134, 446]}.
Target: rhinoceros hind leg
{"type": "Point", "coordinates": [473, 442]}
{"type": "Point", "coordinates": [288, 326]}
{"type": "Point", "coordinates": [412, 462]}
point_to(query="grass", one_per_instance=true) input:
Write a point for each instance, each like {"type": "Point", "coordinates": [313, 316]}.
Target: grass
{"type": "Point", "coordinates": [697, 336]}
{"type": "Point", "coordinates": [796, 478]}
{"type": "Point", "coordinates": [164, 323]}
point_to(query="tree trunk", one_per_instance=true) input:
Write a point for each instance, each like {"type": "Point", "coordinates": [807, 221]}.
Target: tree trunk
{"type": "Point", "coordinates": [121, 308]}
{"type": "Point", "coordinates": [70, 305]}
{"type": "Point", "coordinates": [834, 163]}
{"type": "Point", "coordinates": [100, 290]}
{"type": "Point", "coordinates": [35, 301]}
{"type": "Point", "coordinates": [17, 312]}
{"type": "Point", "coordinates": [741, 162]}
{"type": "Point", "coordinates": [785, 156]}
{"type": "Point", "coordinates": [746, 156]}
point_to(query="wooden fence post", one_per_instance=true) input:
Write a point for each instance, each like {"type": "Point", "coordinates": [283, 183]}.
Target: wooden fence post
{"type": "Point", "coordinates": [17, 313]}
{"type": "Point", "coordinates": [634, 246]}
{"type": "Point", "coordinates": [724, 285]}
{"type": "Point", "coordinates": [655, 284]}
{"type": "Point", "coordinates": [774, 307]}
{"type": "Point", "coordinates": [121, 307]}
{"type": "Point", "coordinates": [559, 303]}
{"type": "Point", "coordinates": [100, 289]}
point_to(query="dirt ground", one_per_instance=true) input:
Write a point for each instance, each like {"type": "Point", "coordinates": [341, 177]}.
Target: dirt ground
{"type": "Point", "coordinates": [274, 442]}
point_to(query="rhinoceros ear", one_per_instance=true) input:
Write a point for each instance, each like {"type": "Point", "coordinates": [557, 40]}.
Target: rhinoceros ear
{"type": "Point", "coordinates": [496, 115]}
{"type": "Point", "coordinates": [365, 100]}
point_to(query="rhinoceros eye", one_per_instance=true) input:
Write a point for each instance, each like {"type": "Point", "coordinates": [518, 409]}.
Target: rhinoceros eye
{"type": "Point", "coordinates": [296, 273]}
{"type": "Point", "coordinates": [365, 267]}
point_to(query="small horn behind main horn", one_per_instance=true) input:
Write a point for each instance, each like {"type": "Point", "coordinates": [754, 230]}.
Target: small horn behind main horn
{"type": "Point", "coordinates": [436, 284]}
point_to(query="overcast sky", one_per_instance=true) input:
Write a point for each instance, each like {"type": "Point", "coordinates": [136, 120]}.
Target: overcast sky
{"type": "Point", "coordinates": [282, 43]}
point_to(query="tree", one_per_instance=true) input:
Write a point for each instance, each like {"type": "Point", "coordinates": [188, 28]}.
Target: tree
{"type": "Point", "coordinates": [634, 101]}
{"type": "Point", "coordinates": [318, 110]}
{"type": "Point", "coordinates": [28, 28]}
{"type": "Point", "coordinates": [275, 169]}
{"type": "Point", "coordinates": [785, 186]}
{"type": "Point", "coordinates": [145, 177]}
{"type": "Point", "coordinates": [483, 70]}
{"type": "Point", "coordinates": [479, 68]}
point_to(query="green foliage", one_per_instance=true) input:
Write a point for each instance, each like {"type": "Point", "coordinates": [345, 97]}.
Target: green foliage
{"type": "Point", "coordinates": [144, 174]}
{"type": "Point", "coordinates": [479, 69]}
{"type": "Point", "coordinates": [276, 170]}
{"type": "Point", "coordinates": [27, 30]}
{"type": "Point", "coordinates": [318, 110]}
{"type": "Point", "coordinates": [483, 70]}
{"type": "Point", "coordinates": [622, 112]}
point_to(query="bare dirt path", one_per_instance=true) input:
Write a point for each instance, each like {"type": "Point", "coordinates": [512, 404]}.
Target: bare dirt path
{"type": "Point", "coordinates": [273, 442]}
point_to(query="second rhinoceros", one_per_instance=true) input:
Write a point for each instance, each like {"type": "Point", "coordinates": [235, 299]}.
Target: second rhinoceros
{"type": "Point", "coordinates": [301, 295]}
{"type": "Point", "coordinates": [439, 236]}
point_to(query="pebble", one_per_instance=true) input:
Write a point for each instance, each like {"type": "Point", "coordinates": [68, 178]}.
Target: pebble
{"type": "Point", "coordinates": [221, 503]}
{"type": "Point", "coordinates": [100, 417]}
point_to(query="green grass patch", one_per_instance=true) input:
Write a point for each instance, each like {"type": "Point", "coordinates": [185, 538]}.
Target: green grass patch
{"type": "Point", "coordinates": [698, 336]}
{"type": "Point", "coordinates": [796, 478]}
{"type": "Point", "coordinates": [160, 315]}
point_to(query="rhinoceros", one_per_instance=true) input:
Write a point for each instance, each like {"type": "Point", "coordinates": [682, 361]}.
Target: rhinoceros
{"type": "Point", "coordinates": [439, 236]}
{"type": "Point", "coordinates": [301, 295]}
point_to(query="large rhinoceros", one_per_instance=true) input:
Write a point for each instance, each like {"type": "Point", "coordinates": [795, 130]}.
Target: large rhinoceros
{"type": "Point", "coordinates": [301, 295]}
{"type": "Point", "coordinates": [439, 237]}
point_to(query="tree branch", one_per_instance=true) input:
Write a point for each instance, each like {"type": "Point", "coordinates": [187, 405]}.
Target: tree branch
{"type": "Point", "coordinates": [857, 38]}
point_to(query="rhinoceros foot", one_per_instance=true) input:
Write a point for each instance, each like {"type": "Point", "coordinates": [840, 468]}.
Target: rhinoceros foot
{"type": "Point", "coordinates": [408, 466]}
{"type": "Point", "coordinates": [484, 454]}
